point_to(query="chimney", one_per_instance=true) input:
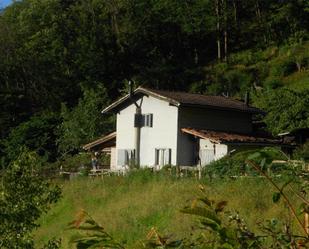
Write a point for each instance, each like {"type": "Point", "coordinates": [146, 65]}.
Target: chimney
{"type": "Point", "coordinates": [247, 98]}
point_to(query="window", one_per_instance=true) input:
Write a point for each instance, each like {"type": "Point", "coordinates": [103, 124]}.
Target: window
{"type": "Point", "coordinates": [125, 157]}
{"type": "Point", "coordinates": [143, 120]}
{"type": "Point", "coordinates": [163, 156]}
{"type": "Point", "coordinates": [148, 120]}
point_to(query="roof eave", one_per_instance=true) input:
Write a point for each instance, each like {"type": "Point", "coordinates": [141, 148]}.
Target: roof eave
{"type": "Point", "coordinates": [252, 111]}
{"type": "Point", "coordinates": [112, 107]}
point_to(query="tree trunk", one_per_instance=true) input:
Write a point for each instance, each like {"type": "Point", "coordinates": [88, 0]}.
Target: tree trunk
{"type": "Point", "coordinates": [260, 21]}
{"type": "Point", "coordinates": [225, 44]}
{"type": "Point", "coordinates": [235, 13]}
{"type": "Point", "coordinates": [114, 21]}
{"type": "Point", "coordinates": [225, 30]}
{"type": "Point", "coordinates": [218, 29]}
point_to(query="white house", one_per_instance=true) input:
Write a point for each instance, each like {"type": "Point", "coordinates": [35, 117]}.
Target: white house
{"type": "Point", "coordinates": [156, 127]}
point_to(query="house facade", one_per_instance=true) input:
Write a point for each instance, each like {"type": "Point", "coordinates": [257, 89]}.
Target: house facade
{"type": "Point", "coordinates": [156, 128]}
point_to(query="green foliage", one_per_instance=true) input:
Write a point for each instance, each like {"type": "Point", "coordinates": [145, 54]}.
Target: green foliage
{"type": "Point", "coordinates": [286, 109]}
{"type": "Point", "coordinates": [302, 152]}
{"type": "Point", "coordinates": [25, 196]}
{"type": "Point", "coordinates": [74, 163]}
{"type": "Point", "coordinates": [37, 134]}
{"type": "Point", "coordinates": [46, 59]}
{"type": "Point", "coordinates": [53, 244]}
{"type": "Point", "coordinates": [84, 122]}
{"type": "Point", "coordinates": [224, 233]}
{"type": "Point", "coordinates": [235, 164]}
{"type": "Point", "coordinates": [272, 82]}
{"type": "Point", "coordinates": [283, 67]}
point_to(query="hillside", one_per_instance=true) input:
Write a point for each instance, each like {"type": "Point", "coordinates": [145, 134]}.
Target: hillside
{"type": "Point", "coordinates": [261, 70]}
{"type": "Point", "coordinates": [128, 207]}
{"type": "Point", "coordinates": [62, 62]}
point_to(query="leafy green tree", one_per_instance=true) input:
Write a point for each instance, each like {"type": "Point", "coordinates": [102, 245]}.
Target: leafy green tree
{"type": "Point", "coordinates": [37, 134]}
{"type": "Point", "coordinates": [286, 109]}
{"type": "Point", "coordinates": [84, 122]}
{"type": "Point", "coordinates": [25, 196]}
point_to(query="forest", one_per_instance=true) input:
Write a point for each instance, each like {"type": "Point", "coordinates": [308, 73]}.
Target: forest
{"type": "Point", "coordinates": [63, 61]}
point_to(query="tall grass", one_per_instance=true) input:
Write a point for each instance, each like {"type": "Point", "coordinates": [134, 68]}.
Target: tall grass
{"type": "Point", "coordinates": [128, 207]}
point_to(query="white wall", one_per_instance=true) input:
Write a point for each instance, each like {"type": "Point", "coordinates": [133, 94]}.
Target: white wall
{"type": "Point", "coordinates": [163, 133]}
{"type": "Point", "coordinates": [113, 158]}
{"type": "Point", "coordinates": [210, 151]}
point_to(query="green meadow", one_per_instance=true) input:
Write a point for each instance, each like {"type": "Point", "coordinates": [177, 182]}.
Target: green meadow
{"type": "Point", "coordinates": [128, 207]}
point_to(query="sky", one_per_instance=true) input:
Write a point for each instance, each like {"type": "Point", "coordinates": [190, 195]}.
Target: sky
{"type": "Point", "coordinates": [4, 3]}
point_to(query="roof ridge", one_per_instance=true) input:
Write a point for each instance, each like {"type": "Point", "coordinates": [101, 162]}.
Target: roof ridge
{"type": "Point", "coordinates": [179, 98]}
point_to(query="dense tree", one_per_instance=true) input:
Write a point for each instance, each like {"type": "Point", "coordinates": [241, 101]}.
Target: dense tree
{"type": "Point", "coordinates": [286, 109]}
{"type": "Point", "coordinates": [37, 134]}
{"type": "Point", "coordinates": [51, 50]}
{"type": "Point", "coordinates": [25, 196]}
{"type": "Point", "coordinates": [84, 122]}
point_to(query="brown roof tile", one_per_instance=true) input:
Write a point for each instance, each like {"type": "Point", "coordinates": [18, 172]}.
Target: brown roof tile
{"type": "Point", "coordinates": [225, 137]}
{"type": "Point", "coordinates": [194, 99]}
{"type": "Point", "coordinates": [188, 99]}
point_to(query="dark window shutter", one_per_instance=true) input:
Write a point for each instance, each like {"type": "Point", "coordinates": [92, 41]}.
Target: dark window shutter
{"type": "Point", "coordinates": [138, 120]}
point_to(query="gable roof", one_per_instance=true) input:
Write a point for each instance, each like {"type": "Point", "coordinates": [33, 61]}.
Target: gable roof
{"type": "Point", "coordinates": [185, 99]}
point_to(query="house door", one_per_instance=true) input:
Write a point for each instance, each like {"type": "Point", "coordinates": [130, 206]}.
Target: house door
{"type": "Point", "coordinates": [207, 156]}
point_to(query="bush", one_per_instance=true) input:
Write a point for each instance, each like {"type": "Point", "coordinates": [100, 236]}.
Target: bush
{"type": "Point", "coordinates": [235, 165]}
{"type": "Point", "coordinates": [261, 71]}
{"type": "Point", "coordinates": [84, 122]}
{"type": "Point", "coordinates": [302, 152]}
{"type": "Point", "coordinates": [286, 109]}
{"type": "Point", "coordinates": [272, 82]}
{"type": "Point", "coordinates": [283, 67]}
{"type": "Point", "coordinates": [37, 134]}
{"type": "Point", "coordinates": [25, 196]}
{"type": "Point", "coordinates": [74, 163]}
{"type": "Point", "coordinates": [246, 57]}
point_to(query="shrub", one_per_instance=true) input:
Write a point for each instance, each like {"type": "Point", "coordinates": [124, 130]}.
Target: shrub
{"type": "Point", "coordinates": [286, 109]}
{"type": "Point", "coordinates": [302, 152]}
{"type": "Point", "coordinates": [84, 122]}
{"type": "Point", "coordinates": [283, 67]}
{"type": "Point", "coordinates": [246, 57]}
{"type": "Point", "coordinates": [25, 196]}
{"type": "Point", "coordinates": [37, 134]}
{"type": "Point", "coordinates": [261, 71]}
{"type": "Point", "coordinates": [272, 82]}
{"type": "Point", "coordinates": [237, 81]}
{"type": "Point", "coordinates": [74, 163]}
{"type": "Point", "coordinates": [235, 164]}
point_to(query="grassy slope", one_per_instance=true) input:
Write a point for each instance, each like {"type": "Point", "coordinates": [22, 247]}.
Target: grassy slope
{"type": "Point", "coordinates": [271, 68]}
{"type": "Point", "coordinates": [128, 207]}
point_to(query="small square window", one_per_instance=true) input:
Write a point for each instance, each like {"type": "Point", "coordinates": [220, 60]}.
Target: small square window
{"type": "Point", "coordinates": [148, 120]}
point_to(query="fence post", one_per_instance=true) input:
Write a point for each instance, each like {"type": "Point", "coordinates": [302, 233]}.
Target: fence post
{"type": "Point", "coordinates": [199, 172]}
{"type": "Point", "coordinates": [307, 222]}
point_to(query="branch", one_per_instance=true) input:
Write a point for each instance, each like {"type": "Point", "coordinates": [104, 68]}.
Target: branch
{"type": "Point", "coordinates": [257, 168]}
